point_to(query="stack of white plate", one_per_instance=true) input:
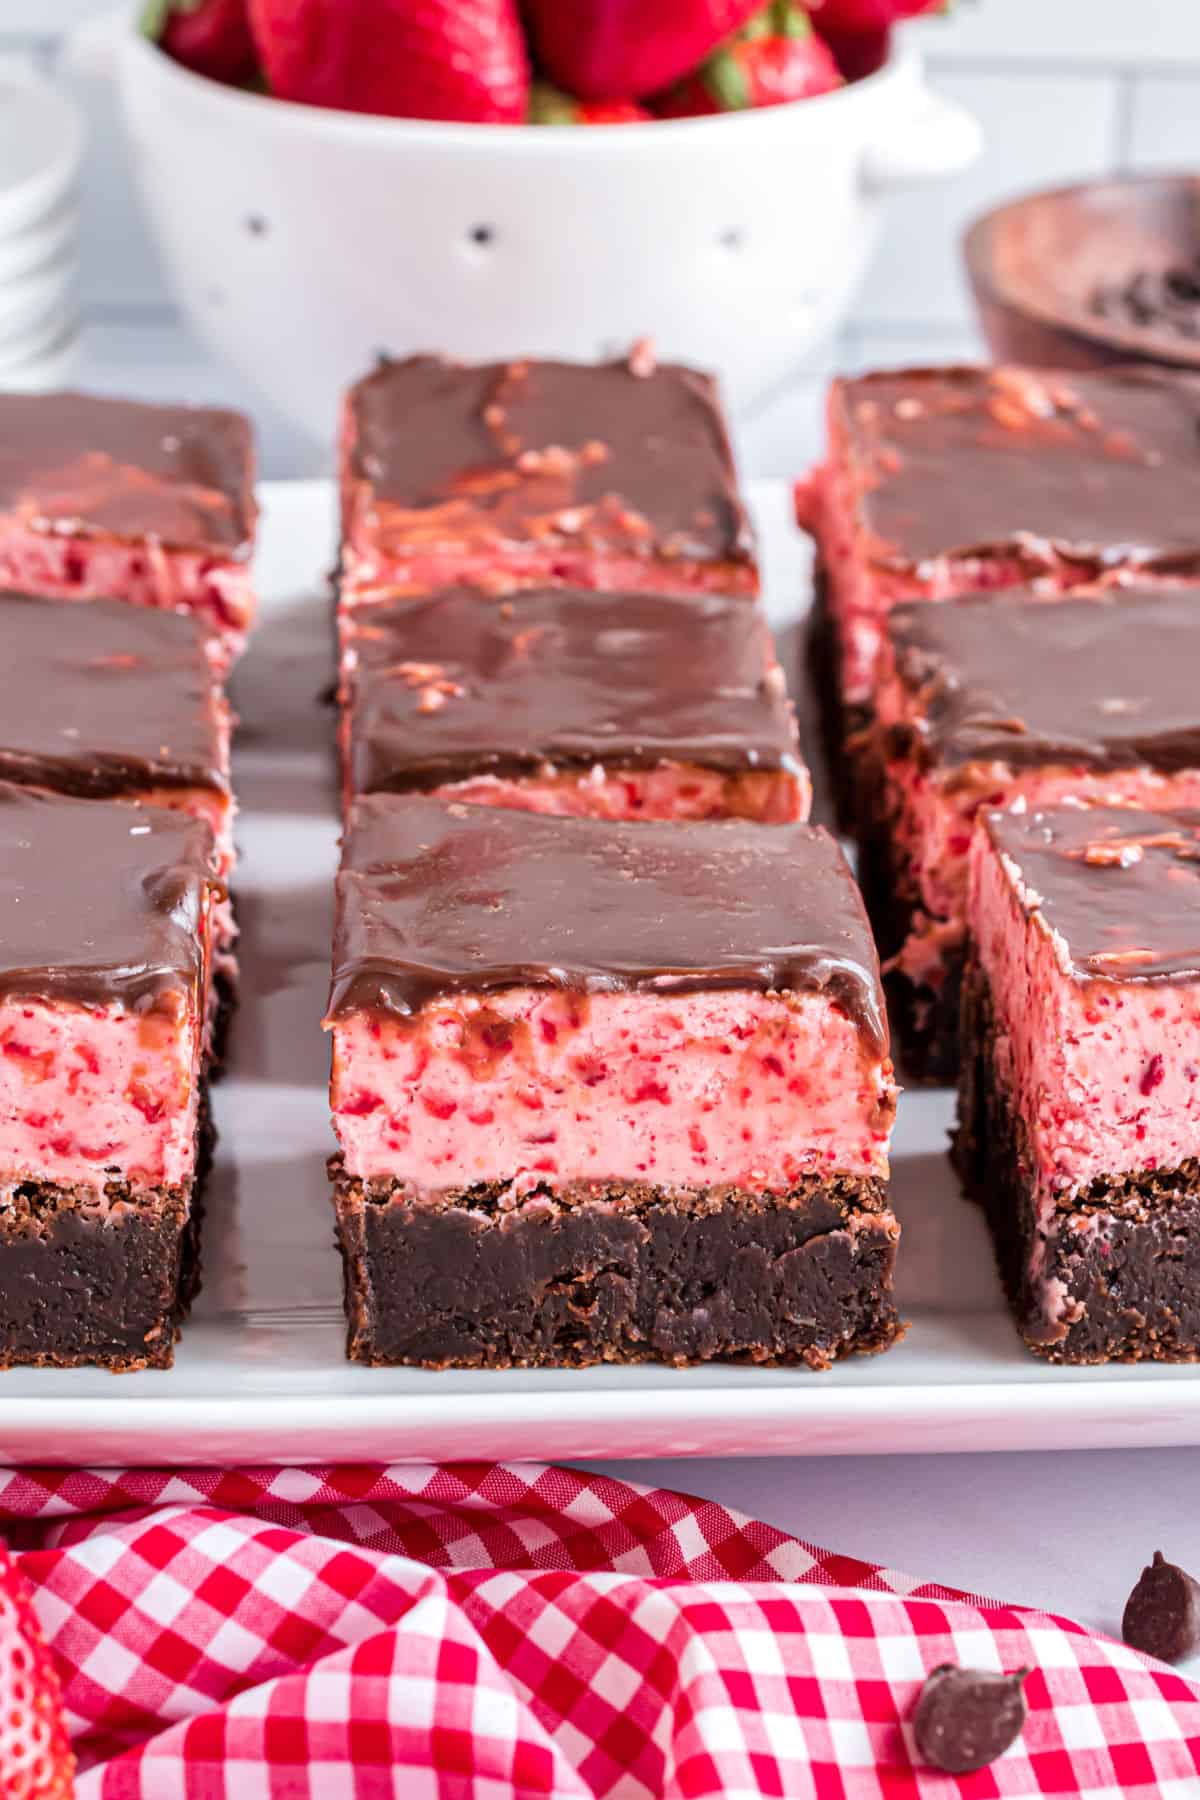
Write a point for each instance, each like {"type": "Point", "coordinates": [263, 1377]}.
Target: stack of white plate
{"type": "Point", "coordinates": [41, 149]}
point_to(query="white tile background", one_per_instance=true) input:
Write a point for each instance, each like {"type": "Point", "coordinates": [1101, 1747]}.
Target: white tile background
{"type": "Point", "coordinates": [1063, 88]}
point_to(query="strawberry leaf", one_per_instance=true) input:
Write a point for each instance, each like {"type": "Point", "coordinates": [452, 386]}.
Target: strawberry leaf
{"type": "Point", "coordinates": [152, 20]}
{"type": "Point", "coordinates": [791, 21]}
{"type": "Point", "coordinates": [549, 106]}
{"type": "Point", "coordinates": [726, 81]}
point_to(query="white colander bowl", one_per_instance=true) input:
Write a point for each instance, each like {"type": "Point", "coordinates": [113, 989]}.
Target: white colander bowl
{"type": "Point", "coordinates": [300, 242]}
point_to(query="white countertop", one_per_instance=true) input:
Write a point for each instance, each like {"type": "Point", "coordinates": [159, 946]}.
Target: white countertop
{"type": "Point", "coordinates": [1065, 1533]}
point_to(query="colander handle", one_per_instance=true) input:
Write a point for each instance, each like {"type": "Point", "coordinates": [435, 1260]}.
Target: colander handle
{"type": "Point", "coordinates": [934, 138]}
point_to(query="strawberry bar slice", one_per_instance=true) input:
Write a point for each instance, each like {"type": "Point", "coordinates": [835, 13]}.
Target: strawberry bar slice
{"type": "Point", "coordinates": [106, 918]}
{"type": "Point", "coordinates": [996, 701]}
{"type": "Point", "coordinates": [1079, 1103]}
{"type": "Point", "coordinates": [148, 504]}
{"type": "Point", "coordinates": [949, 481]}
{"type": "Point", "coordinates": [115, 702]}
{"type": "Point", "coordinates": [617, 475]}
{"type": "Point", "coordinates": [606, 1092]}
{"type": "Point", "coordinates": [606, 705]}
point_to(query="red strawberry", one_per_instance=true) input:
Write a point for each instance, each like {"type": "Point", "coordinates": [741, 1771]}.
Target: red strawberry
{"type": "Point", "coordinates": [859, 31]}
{"type": "Point", "coordinates": [599, 49]}
{"type": "Point", "coordinates": [410, 59]}
{"type": "Point", "coordinates": [837, 16]}
{"type": "Point", "coordinates": [549, 106]}
{"type": "Point", "coordinates": [35, 1755]}
{"type": "Point", "coordinates": [210, 36]}
{"type": "Point", "coordinates": [775, 57]}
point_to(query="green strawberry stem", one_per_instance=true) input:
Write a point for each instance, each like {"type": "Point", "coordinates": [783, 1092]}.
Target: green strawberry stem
{"type": "Point", "coordinates": [725, 79]}
{"type": "Point", "coordinates": [152, 20]}
{"type": "Point", "coordinates": [548, 105]}
{"type": "Point", "coordinates": [789, 20]}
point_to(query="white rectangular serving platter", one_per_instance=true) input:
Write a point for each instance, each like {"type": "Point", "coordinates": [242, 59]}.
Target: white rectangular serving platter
{"type": "Point", "coordinates": [260, 1374]}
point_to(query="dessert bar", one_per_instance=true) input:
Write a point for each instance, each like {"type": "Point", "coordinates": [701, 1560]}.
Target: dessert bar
{"type": "Point", "coordinates": [116, 702]}
{"type": "Point", "coordinates": [617, 475]}
{"type": "Point", "coordinates": [955, 480]}
{"type": "Point", "coordinates": [1079, 1104]}
{"type": "Point", "coordinates": [150, 504]}
{"type": "Point", "coordinates": [558, 700]}
{"type": "Point", "coordinates": [606, 1091]}
{"type": "Point", "coordinates": [105, 956]}
{"type": "Point", "coordinates": [1002, 700]}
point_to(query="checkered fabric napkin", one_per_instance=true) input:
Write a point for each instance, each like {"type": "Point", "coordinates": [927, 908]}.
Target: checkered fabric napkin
{"type": "Point", "coordinates": [500, 1631]}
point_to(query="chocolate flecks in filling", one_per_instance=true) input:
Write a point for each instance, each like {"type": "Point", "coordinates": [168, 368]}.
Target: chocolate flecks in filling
{"type": "Point", "coordinates": [1103, 469]}
{"type": "Point", "coordinates": [100, 903]}
{"type": "Point", "coordinates": [85, 463]}
{"type": "Point", "coordinates": [437, 899]}
{"type": "Point", "coordinates": [1000, 678]}
{"type": "Point", "coordinates": [564, 677]}
{"type": "Point", "coordinates": [1120, 886]}
{"type": "Point", "coordinates": [600, 451]}
{"type": "Point", "coordinates": [102, 698]}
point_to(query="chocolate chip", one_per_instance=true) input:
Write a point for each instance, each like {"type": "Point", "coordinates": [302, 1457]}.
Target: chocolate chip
{"type": "Point", "coordinates": [966, 1718]}
{"type": "Point", "coordinates": [1162, 1615]}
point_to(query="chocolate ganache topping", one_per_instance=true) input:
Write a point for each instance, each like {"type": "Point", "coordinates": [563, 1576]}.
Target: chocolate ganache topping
{"type": "Point", "coordinates": [1120, 886]}
{"type": "Point", "coordinates": [1108, 681]}
{"type": "Point", "coordinates": [1103, 469]}
{"type": "Point", "coordinates": [456, 685]}
{"type": "Point", "coordinates": [437, 898]}
{"type": "Point", "coordinates": [100, 903]}
{"type": "Point", "coordinates": [100, 698]}
{"type": "Point", "coordinates": [642, 453]}
{"type": "Point", "coordinates": [84, 463]}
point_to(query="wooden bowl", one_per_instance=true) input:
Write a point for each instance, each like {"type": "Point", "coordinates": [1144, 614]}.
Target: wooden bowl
{"type": "Point", "coordinates": [1035, 263]}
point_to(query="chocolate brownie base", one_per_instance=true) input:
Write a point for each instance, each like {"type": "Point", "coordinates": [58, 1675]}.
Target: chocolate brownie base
{"type": "Point", "coordinates": [1119, 1281]}
{"type": "Point", "coordinates": [617, 1274]}
{"type": "Point", "coordinates": [106, 1283]}
{"type": "Point", "coordinates": [924, 1019]}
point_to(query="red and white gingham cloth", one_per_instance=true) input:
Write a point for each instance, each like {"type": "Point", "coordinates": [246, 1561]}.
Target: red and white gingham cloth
{"type": "Point", "coordinates": [487, 1632]}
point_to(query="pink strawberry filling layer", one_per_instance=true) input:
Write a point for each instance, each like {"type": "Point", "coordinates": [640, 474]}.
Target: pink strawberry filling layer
{"type": "Point", "coordinates": [932, 814]}
{"type": "Point", "coordinates": [63, 567]}
{"type": "Point", "coordinates": [89, 1095]}
{"type": "Point", "coordinates": [369, 574]}
{"type": "Point", "coordinates": [1105, 1075]}
{"type": "Point", "coordinates": [689, 1091]}
{"type": "Point", "coordinates": [671, 791]}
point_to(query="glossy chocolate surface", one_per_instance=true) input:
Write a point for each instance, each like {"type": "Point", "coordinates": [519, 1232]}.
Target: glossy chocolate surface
{"type": "Point", "coordinates": [1103, 468]}
{"type": "Point", "coordinates": [1120, 886]}
{"type": "Point", "coordinates": [438, 898]}
{"type": "Point", "coordinates": [525, 442]}
{"type": "Point", "coordinates": [458, 685]}
{"type": "Point", "coordinates": [85, 463]}
{"type": "Point", "coordinates": [100, 697]}
{"type": "Point", "coordinates": [100, 903]}
{"type": "Point", "coordinates": [1108, 681]}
